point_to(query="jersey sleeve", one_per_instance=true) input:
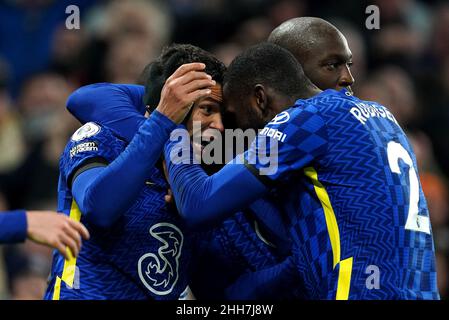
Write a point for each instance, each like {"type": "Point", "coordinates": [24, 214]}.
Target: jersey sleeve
{"type": "Point", "coordinates": [13, 226]}
{"type": "Point", "coordinates": [90, 144]}
{"type": "Point", "coordinates": [117, 106]}
{"type": "Point", "coordinates": [204, 200]}
{"type": "Point", "coordinates": [291, 141]}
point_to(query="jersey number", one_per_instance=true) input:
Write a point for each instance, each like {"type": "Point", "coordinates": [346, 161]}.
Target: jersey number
{"type": "Point", "coordinates": [415, 222]}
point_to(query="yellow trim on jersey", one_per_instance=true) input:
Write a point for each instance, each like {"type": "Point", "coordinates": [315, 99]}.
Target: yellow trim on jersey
{"type": "Point", "coordinates": [344, 274]}
{"type": "Point", "coordinates": [344, 279]}
{"type": "Point", "coordinates": [57, 289]}
{"type": "Point", "coordinates": [68, 272]}
{"type": "Point", "coordinates": [331, 221]}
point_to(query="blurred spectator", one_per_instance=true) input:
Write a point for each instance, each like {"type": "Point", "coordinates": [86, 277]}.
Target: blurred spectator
{"type": "Point", "coordinates": [33, 183]}
{"type": "Point", "coordinates": [439, 42]}
{"type": "Point", "coordinates": [11, 137]}
{"type": "Point", "coordinates": [28, 265]}
{"type": "Point", "coordinates": [142, 28]}
{"type": "Point", "coordinates": [253, 31]}
{"type": "Point", "coordinates": [403, 30]}
{"type": "Point", "coordinates": [127, 57]}
{"type": "Point", "coordinates": [442, 274]}
{"type": "Point", "coordinates": [437, 195]}
{"type": "Point", "coordinates": [227, 52]}
{"type": "Point", "coordinates": [148, 19]}
{"type": "Point", "coordinates": [66, 54]}
{"type": "Point", "coordinates": [392, 87]}
{"type": "Point", "coordinates": [433, 82]}
{"type": "Point", "coordinates": [26, 30]}
{"type": "Point", "coordinates": [285, 10]}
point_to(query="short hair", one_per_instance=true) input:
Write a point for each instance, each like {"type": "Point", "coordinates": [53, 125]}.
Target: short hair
{"type": "Point", "coordinates": [172, 57]}
{"type": "Point", "coordinates": [266, 64]}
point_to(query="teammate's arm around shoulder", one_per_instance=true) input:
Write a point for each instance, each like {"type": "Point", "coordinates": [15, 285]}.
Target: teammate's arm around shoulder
{"type": "Point", "coordinates": [117, 106]}
{"type": "Point", "coordinates": [124, 171]}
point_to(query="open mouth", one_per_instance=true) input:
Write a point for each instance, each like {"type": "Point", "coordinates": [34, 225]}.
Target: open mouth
{"type": "Point", "coordinates": [208, 140]}
{"type": "Point", "coordinates": [200, 142]}
{"type": "Point", "coordinates": [200, 145]}
{"type": "Point", "coordinates": [205, 143]}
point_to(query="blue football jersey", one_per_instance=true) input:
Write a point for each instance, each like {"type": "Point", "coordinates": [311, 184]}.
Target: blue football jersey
{"type": "Point", "coordinates": [347, 182]}
{"type": "Point", "coordinates": [239, 245]}
{"type": "Point", "coordinates": [242, 244]}
{"type": "Point", "coordinates": [144, 255]}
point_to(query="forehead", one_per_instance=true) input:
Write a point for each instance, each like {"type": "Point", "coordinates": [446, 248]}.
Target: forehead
{"type": "Point", "coordinates": [334, 46]}
{"type": "Point", "coordinates": [208, 101]}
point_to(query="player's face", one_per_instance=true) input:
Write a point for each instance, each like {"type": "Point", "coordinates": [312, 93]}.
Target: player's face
{"type": "Point", "coordinates": [328, 64]}
{"type": "Point", "coordinates": [206, 119]}
{"type": "Point", "coordinates": [241, 112]}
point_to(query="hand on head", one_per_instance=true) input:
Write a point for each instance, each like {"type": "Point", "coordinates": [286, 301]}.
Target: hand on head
{"type": "Point", "coordinates": [185, 86]}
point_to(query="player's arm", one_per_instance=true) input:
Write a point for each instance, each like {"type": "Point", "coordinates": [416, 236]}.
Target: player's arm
{"type": "Point", "coordinates": [43, 227]}
{"type": "Point", "coordinates": [204, 200]}
{"type": "Point", "coordinates": [117, 106]}
{"type": "Point", "coordinates": [104, 192]}
{"type": "Point", "coordinates": [56, 230]}
{"type": "Point", "coordinates": [13, 226]}
{"type": "Point", "coordinates": [269, 283]}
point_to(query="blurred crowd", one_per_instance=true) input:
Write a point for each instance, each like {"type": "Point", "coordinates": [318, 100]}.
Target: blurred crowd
{"type": "Point", "coordinates": [403, 65]}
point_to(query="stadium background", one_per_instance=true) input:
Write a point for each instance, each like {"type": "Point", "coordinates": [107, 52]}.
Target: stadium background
{"type": "Point", "coordinates": [404, 65]}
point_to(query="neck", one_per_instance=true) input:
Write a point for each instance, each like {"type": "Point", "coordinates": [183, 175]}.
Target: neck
{"type": "Point", "coordinates": [309, 92]}
{"type": "Point", "coordinates": [306, 93]}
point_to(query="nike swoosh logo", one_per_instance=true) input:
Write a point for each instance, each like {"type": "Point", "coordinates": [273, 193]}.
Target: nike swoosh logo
{"type": "Point", "coordinates": [149, 183]}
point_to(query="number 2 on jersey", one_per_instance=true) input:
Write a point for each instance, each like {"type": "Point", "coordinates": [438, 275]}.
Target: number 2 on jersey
{"type": "Point", "coordinates": [415, 222]}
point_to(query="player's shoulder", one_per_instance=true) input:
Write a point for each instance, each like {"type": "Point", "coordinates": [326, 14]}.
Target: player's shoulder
{"type": "Point", "coordinates": [302, 110]}
{"type": "Point", "coordinates": [94, 131]}
{"type": "Point", "coordinates": [91, 140]}
{"type": "Point", "coordinates": [88, 130]}
{"type": "Point", "coordinates": [332, 98]}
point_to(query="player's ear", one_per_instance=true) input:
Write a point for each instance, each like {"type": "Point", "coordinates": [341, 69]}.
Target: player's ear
{"type": "Point", "coordinates": [260, 98]}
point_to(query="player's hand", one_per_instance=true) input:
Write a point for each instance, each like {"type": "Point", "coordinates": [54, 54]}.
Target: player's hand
{"type": "Point", "coordinates": [186, 85]}
{"type": "Point", "coordinates": [56, 230]}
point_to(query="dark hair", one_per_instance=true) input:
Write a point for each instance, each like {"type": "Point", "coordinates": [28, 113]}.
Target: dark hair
{"type": "Point", "coordinates": [266, 64]}
{"type": "Point", "coordinates": [172, 57]}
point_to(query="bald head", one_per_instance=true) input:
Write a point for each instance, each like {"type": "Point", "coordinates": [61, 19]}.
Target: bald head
{"type": "Point", "coordinates": [301, 35]}
{"type": "Point", "coordinates": [316, 43]}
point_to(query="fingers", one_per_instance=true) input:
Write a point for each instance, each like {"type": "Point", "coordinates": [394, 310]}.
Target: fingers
{"type": "Point", "coordinates": [169, 197]}
{"type": "Point", "coordinates": [69, 240]}
{"type": "Point", "coordinates": [62, 250]}
{"type": "Point", "coordinates": [81, 229]}
{"type": "Point", "coordinates": [198, 84]}
{"type": "Point", "coordinates": [75, 236]}
{"type": "Point", "coordinates": [71, 244]}
{"type": "Point", "coordinates": [191, 76]}
{"type": "Point", "coordinates": [185, 86]}
{"type": "Point", "coordinates": [196, 66]}
{"type": "Point", "coordinates": [198, 94]}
